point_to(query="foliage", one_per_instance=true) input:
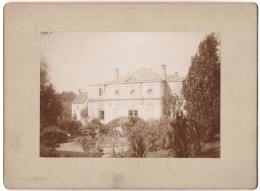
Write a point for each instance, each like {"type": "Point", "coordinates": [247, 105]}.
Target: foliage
{"type": "Point", "coordinates": [91, 133]}
{"type": "Point", "coordinates": [201, 88]}
{"type": "Point", "coordinates": [50, 138]}
{"type": "Point", "coordinates": [84, 113]}
{"type": "Point", "coordinates": [120, 121]}
{"type": "Point", "coordinates": [156, 137]}
{"type": "Point", "coordinates": [50, 104]}
{"type": "Point", "coordinates": [70, 126]}
{"type": "Point", "coordinates": [92, 129]}
{"type": "Point", "coordinates": [48, 151]}
{"type": "Point", "coordinates": [88, 143]}
{"type": "Point", "coordinates": [172, 103]}
{"type": "Point", "coordinates": [146, 136]}
{"type": "Point", "coordinates": [66, 100]}
{"type": "Point", "coordinates": [136, 134]}
{"type": "Point", "coordinates": [179, 136]}
{"type": "Point", "coordinates": [183, 138]}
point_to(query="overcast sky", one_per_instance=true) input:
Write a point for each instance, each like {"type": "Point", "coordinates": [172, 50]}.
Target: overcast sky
{"type": "Point", "coordinates": [77, 59]}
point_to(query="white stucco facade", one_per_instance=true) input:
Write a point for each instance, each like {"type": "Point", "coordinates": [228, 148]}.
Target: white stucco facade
{"type": "Point", "coordinates": [139, 94]}
{"type": "Point", "coordinates": [141, 99]}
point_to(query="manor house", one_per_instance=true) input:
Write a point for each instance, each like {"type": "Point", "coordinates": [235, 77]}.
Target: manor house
{"type": "Point", "coordinates": [141, 93]}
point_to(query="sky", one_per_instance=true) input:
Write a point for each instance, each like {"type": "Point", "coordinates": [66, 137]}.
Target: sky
{"type": "Point", "coordinates": [78, 59]}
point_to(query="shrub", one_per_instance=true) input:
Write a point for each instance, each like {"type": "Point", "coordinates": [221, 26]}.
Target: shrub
{"type": "Point", "coordinates": [183, 138]}
{"type": "Point", "coordinates": [50, 138]}
{"type": "Point", "coordinates": [157, 134]}
{"type": "Point", "coordinates": [136, 134]}
{"type": "Point", "coordinates": [146, 136]}
{"type": "Point", "coordinates": [70, 126]}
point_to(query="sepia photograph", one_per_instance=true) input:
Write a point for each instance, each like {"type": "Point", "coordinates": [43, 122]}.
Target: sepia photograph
{"type": "Point", "coordinates": [130, 94]}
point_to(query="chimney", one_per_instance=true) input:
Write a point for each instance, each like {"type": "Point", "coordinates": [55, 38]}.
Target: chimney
{"type": "Point", "coordinates": [164, 72]}
{"type": "Point", "coordinates": [79, 91]}
{"type": "Point", "coordinates": [176, 74]}
{"type": "Point", "coordinates": [116, 73]}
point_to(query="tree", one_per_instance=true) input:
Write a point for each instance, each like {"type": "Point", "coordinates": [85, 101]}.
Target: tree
{"type": "Point", "coordinates": [90, 142]}
{"type": "Point", "coordinates": [183, 138]}
{"type": "Point", "coordinates": [173, 103]}
{"type": "Point", "coordinates": [50, 138]}
{"type": "Point", "coordinates": [70, 126]}
{"type": "Point", "coordinates": [66, 100]}
{"type": "Point", "coordinates": [91, 129]}
{"type": "Point", "coordinates": [201, 88]}
{"type": "Point", "coordinates": [50, 104]}
{"type": "Point", "coordinates": [136, 133]}
{"type": "Point", "coordinates": [84, 113]}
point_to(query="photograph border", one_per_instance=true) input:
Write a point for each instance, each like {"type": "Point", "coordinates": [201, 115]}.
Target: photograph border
{"type": "Point", "coordinates": [237, 167]}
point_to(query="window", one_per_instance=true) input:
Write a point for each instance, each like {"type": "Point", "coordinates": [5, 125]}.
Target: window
{"type": "Point", "coordinates": [117, 92]}
{"type": "Point", "coordinates": [101, 115]}
{"type": "Point", "coordinates": [132, 92]}
{"type": "Point", "coordinates": [100, 91]}
{"type": "Point", "coordinates": [133, 113]}
{"type": "Point", "coordinates": [150, 92]}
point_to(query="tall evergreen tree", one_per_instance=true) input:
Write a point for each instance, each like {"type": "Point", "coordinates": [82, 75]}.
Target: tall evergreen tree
{"type": "Point", "coordinates": [201, 88]}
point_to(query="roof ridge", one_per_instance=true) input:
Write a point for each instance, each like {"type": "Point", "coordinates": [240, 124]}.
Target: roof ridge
{"type": "Point", "coordinates": [135, 74]}
{"type": "Point", "coordinates": [153, 72]}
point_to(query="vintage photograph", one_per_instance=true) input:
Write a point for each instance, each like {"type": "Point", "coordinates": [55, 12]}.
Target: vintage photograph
{"type": "Point", "coordinates": [130, 94]}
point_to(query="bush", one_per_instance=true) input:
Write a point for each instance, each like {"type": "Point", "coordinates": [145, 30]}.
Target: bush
{"type": "Point", "coordinates": [71, 126]}
{"type": "Point", "coordinates": [183, 138]}
{"type": "Point", "coordinates": [136, 134]}
{"type": "Point", "coordinates": [180, 136]}
{"type": "Point", "coordinates": [50, 138]}
{"type": "Point", "coordinates": [157, 134]}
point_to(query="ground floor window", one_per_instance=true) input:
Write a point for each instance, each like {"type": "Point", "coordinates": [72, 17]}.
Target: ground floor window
{"type": "Point", "coordinates": [101, 115]}
{"type": "Point", "coordinates": [133, 113]}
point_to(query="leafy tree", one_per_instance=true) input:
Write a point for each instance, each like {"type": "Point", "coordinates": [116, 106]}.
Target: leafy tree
{"type": "Point", "coordinates": [66, 100]}
{"type": "Point", "coordinates": [157, 134]}
{"type": "Point", "coordinates": [173, 103]}
{"type": "Point", "coordinates": [201, 88]}
{"type": "Point", "coordinates": [90, 142]}
{"type": "Point", "coordinates": [84, 113]}
{"type": "Point", "coordinates": [50, 139]}
{"type": "Point", "coordinates": [136, 132]}
{"type": "Point", "coordinates": [70, 126]}
{"type": "Point", "coordinates": [91, 129]}
{"type": "Point", "coordinates": [50, 104]}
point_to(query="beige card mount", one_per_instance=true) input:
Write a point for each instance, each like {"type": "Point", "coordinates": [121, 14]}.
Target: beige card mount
{"type": "Point", "coordinates": [130, 95]}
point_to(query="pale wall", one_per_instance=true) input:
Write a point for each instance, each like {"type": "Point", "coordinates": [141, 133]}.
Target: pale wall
{"type": "Point", "coordinates": [77, 108]}
{"type": "Point", "coordinates": [147, 109]}
{"type": "Point", "coordinates": [141, 91]}
{"type": "Point", "coordinates": [118, 104]}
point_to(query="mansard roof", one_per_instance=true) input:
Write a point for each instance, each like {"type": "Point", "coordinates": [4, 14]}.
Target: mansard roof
{"type": "Point", "coordinates": [80, 98]}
